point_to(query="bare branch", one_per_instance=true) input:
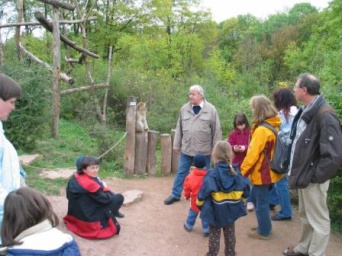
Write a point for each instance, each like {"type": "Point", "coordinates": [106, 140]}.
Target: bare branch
{"type": "Point", "coordinates": [46, 24]}
{"type": "Point", "coordinates": [21, 24]}
{"type": "Point", "coordinates": [84, 88]}
{"type": "Point", "coordinates": [56, 3]}
{"type": "Point", "coordinates": [63, 76]}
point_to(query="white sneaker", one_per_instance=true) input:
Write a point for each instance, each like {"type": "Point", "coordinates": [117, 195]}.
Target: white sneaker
{"type": "Point", "coordinates": [250, 206]}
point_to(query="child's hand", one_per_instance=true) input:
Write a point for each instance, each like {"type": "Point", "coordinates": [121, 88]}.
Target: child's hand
{"type": "Point", "coordinates": [242, 148]}
{"type": "Point", "coordinates": [236, 148]}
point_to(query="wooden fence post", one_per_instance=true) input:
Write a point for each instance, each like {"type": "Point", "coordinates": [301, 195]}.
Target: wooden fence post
{"type": "Point", "coordinates": [151, 151]}
{"type": "Point", "coordinates": [174, 157]}
{"type": "Point", "coordinates": [140, 163]}
{"type": "Point", "coordinates": [130, 137]}
{"type": "Point", "coordinates": [166, 149]}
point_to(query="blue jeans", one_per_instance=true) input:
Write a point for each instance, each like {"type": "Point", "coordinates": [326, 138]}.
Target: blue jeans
{"type": "Point", "coordinates": [273, 196]}
{"type": "Point", "coordinates": [185, 163]}
{"type": "Point", "coordinates": [190, 221]}
{"type": "Point", "coordinates": [260, 199]}
{"type": "Point", "coordinates": [283, 194]}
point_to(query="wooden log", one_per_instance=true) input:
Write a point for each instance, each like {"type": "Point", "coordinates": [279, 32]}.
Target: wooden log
{"type": "Point", "coordinates": [63, 76]}
{"type": "Point", "coordinates": [166, 149]}
{"type": "Point", "coordinates": [48, 26]}
{"type": "Point", "coordinates": [61, 22]}
{"type": "Point", "coordinates": [130, 138]}
{"type": "Point", "coordinates": [84, 88]}
{"type": "Point", "coordinates": [140, 162]}
{"type": "Point", "coordinates": [56, 96]}
{"type": "Point", "coordinates": [174, 156]}
{"type": "Point", "coordinates": [56, 4]}
{"type": "Point", "coordinates": [152, 139]}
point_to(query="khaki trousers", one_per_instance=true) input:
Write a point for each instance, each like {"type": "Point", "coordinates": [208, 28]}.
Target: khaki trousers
{"type": "Point", "coordinates": [315, 220]}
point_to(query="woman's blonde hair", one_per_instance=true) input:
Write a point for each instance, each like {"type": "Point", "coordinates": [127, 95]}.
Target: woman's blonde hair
{"type": "Point", "coordinates": [223, 152]}
{"type": "Point", "coordinates": [262, 108]}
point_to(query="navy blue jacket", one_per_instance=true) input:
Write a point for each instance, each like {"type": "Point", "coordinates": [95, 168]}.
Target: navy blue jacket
{"type": "Point", "coordinates": [220, 197]}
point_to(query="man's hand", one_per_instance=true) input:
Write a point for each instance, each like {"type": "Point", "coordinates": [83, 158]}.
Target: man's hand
{"type": "Point", "coordinates": [177, 151]}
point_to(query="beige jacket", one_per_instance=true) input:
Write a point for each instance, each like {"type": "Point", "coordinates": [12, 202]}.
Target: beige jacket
{"type": "Point", "coordinates": [197, 134]}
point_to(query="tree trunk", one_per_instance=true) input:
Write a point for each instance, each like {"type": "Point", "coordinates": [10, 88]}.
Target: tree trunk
{"type": "Point", "coordinates": [17, 29]}
{"type": "Point", "coordinates": [56, 72]}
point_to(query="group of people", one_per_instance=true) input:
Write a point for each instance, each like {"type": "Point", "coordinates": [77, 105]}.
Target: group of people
{"type": "Point", "coordinates": [26, 215]}
{"type": "Point", "coordinates": [313, 132]}
{"type": "Point", "coordinates": [223, 175]}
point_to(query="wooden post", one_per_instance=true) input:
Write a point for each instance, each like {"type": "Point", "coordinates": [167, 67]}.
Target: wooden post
{"type": "Point", "coordinates": [166, 149]}
{"type": "Point", "coordinates": [56, 71]}
{"type": "Point", "coordinates": [174, 157]}
{"type": "Point", "coordinates": [140, 162]}
{"type": "Point", "coordinates": [130, 137]}
{"type": "Point", "coordinates": [151, 151]}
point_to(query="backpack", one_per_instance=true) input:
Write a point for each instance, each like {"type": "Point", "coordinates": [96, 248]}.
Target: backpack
{"type": "Point", "coordinates": [279, 163]}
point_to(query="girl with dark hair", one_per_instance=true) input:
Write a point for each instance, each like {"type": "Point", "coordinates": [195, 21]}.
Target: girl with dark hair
{"type": "Point", "coordinates": [28, 221]}
{"type": "Point", "coordinates": [92, 207]}
{"type": "Point", "coordinates": [286, 104]}
{"type": "Point", "coordinates": [239, 140]}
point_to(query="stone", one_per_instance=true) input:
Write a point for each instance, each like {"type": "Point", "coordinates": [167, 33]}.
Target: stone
{"type": "Point", "coordinates": [132, 196]}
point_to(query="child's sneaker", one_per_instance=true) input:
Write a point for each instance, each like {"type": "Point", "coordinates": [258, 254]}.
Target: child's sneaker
{"type": "Point", "coordinates": [186, 228]}
{"type": "Point", "coordinates": [250, 206]}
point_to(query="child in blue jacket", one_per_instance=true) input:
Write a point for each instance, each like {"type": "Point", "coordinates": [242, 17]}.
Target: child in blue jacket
{"type": "Point", "coordinates": [220, 199]}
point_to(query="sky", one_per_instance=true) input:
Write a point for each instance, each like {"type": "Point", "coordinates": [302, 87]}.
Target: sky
{"type": "Point", "coordinates": [225, 9]}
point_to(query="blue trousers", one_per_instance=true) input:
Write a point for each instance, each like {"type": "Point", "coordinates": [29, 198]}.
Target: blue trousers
{"type": "Point", "coordinates": [260, 199]}
{"type": "Point", "coordinates": [185, 163]}
{"type": "Point", "coordinates": [190, 221]}
{"type": "Point", "coordinates": [283, 194]}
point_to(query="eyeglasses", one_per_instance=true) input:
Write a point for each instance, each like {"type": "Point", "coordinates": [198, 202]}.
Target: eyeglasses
{"type": "Point", "coordinates": [94, 167]}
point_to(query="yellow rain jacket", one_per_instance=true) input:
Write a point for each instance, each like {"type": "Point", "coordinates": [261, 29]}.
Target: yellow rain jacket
{"type": "Point", "coordinates": [255, 165]}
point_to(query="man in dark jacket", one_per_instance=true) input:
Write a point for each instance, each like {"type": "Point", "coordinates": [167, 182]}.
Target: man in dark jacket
{"type": "Point", "coordinates": [316, 155]}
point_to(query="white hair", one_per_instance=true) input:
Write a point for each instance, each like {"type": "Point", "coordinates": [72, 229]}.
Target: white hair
{"type": "Point", "coordinates": [197, 88]}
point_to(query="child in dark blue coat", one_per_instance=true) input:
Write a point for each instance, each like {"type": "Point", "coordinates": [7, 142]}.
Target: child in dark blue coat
{"type": "Point", "coordinates": [220, 199]}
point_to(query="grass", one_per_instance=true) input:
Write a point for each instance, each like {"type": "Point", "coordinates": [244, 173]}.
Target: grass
{"type": "Point", "coordinates": [74, 140]}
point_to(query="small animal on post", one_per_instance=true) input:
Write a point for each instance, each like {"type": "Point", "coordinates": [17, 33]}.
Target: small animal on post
{"type": "Point", "coordinates": [140, 119]}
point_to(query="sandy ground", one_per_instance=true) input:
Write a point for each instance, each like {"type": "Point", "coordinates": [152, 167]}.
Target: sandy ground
{"type": "Point", "coordinates": [154, 229]}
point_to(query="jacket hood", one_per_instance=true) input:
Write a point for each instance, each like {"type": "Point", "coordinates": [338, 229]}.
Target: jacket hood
{"type": "Point", "coordinates": [274, 121]}
{"type": "Point", "coordinates": [223, 170]}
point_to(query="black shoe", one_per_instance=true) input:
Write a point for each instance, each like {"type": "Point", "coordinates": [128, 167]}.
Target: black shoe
{"type": "Point", "coordinates": [119, 215]}
{"type": "Point", "coordinates": [170, 200]}
{"type": "Point", "coordinates": [278, 218]}
{"type": "Point", "coordinates": [272, 207]}
{"type": "Point", "coordinates": [186, 228]}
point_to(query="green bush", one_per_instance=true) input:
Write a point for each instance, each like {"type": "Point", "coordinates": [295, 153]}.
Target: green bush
{"type": "Point", "coordinates": [29, 122]}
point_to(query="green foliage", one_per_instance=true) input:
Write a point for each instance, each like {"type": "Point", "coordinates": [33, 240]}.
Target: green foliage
{"type": "Point", "coordinates": [335, 201]}
{"type": "Point", "coordinates": [28, 122]}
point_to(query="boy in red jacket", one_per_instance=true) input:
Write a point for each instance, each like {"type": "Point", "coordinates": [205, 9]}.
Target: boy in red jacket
{"type": "Point", "coordinates": [192, 185]}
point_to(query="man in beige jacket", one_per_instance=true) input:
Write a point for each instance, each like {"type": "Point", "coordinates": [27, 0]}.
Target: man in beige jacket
{"type": "Point", "coordinates": [198, 129]}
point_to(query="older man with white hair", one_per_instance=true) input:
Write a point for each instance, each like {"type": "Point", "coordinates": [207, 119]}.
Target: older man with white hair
{"type": "Point", "coordinates": [198, 129]}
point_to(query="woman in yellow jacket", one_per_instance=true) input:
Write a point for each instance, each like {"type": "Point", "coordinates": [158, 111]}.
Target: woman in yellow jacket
{"type": "Point", "coordinates": [255, 165]}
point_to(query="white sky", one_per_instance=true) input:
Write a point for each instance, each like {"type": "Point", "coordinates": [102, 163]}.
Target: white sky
{"type": "Point", "coordinates": [225, 9]}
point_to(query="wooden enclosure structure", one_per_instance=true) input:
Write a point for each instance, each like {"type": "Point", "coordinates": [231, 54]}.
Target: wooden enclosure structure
{"type": "Point", "coordinates": [141, 147]}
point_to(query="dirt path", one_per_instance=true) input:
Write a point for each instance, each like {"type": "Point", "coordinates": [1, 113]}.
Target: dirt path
{"type": "Point", "coordinates": [154, 229]}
